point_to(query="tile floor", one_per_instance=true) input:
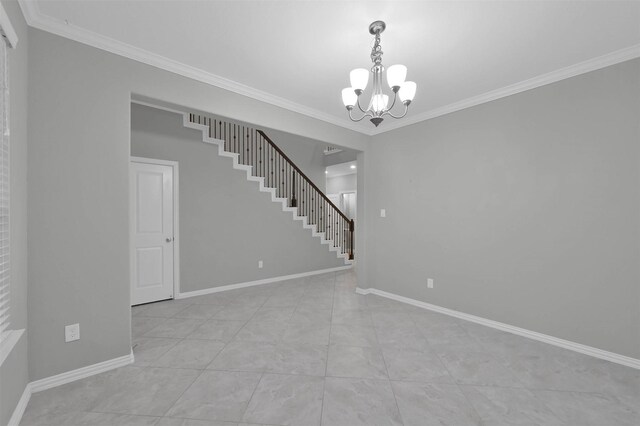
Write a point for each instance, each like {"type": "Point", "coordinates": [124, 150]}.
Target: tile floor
{"type": "Point", "coordinates": [312, 352]}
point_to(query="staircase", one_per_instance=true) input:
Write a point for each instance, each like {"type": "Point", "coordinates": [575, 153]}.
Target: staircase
{"type": "Point", "coordinates": [252, 151]}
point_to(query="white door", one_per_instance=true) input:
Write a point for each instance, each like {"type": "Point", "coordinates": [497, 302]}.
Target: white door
{"type": "Point", "coordinates": [151, 201]}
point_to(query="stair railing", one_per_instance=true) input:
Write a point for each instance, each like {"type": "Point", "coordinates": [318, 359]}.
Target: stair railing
{"type": "Point", "coordinates": [267, 160]}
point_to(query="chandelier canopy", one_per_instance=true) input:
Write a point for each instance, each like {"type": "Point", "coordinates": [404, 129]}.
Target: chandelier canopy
{"type": "Point", "coordinates": [379, 104]}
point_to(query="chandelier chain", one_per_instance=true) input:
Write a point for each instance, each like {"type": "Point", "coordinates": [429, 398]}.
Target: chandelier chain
{"type": "Point", "coordinates": [376, 51]}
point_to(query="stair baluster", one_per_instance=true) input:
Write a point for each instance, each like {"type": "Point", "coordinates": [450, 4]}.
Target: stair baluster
{"type": "Point", "coordinates": [267, 160]}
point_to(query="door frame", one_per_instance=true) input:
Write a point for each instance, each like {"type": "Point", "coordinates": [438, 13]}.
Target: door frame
{"type": "Point", "coordinates": [176, 222]}
{"type": "Point", "coordinates": [339, 194]}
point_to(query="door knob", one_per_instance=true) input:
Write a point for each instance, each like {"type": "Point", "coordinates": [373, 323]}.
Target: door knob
{"type": "Point", "coordinates": [169, 240]}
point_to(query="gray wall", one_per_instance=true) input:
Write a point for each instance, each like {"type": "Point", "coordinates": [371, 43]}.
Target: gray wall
{"type": "Point", "coordinates": [524, 210]}
{"type": "Point", "coordinates": [79, 112]}
{"type": "Point", "coordinates": [13, 373]}
{"type": "Point", "coordinates": [226, 223]}
{"type": "Point", "coordinates": [341, 183]}
{"type": "Point", "coordinates": [362, 220]}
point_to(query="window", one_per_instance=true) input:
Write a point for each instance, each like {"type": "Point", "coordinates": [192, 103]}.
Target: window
{"type": "Point", "coordinates": [8, 336]}
{"type": "Point", "coordinates": [5, 271]}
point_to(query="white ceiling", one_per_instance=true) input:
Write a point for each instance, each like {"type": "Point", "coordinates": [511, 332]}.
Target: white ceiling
{"type": "Point", "coordinates": [341, 169]}
{"type": "Point", "coordinates": [298, 54]}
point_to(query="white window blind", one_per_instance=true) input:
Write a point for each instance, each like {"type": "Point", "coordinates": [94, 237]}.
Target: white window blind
{"type": "Point", "coordinates": [4, 194]}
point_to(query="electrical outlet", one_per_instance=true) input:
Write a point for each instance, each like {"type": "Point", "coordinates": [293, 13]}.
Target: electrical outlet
{"type": "Point", "coordinates": [71, 332]}
{"type": "Point", "coordinates": [260, 264]}
{"type": "Point", "coordinates": [383, 213]}
{"type": "Point", "coordinates": [429, 282]}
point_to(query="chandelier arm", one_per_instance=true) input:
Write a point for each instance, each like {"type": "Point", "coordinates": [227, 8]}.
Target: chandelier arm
{"type": "Point", "coordinates": [358, 119]}
{"type": "Point", "coordinates": [406, 109]}
{"type": "Point", "coordinates": [395, 96]}
{"type": "Point", "coordinates": [360, 108]}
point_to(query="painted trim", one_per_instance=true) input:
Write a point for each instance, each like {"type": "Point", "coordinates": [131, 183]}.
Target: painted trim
{"type": "Point", "coordinates": [81, 373]}
{"type": "Point", "coordinates": [7, 29]}
{"type": "Point", "coordinates": [176, 217]}
{"type": "Point", "coordinates": [64, 378]}
{"type": "Point", "coordinates": [616, 57]}
{"type": "Point", "coordinates": [157, 161]}
{"type": "Point", "coordinates": [545, 338]}
{"type": "Point", "coordinates": [21, 406]}
{"type": "Point", "coordinates": [9, 342]}
{"type": "Point", "coordinates": [339, 195]}
{"type": "Point", "coordinates": [38, 20]}
{"type": "Point", "coordinates": [342, 174]}
{"type": "Point", "coordinates": [157, 106]}
{"type": "Point", "coordinates": [259, 282]}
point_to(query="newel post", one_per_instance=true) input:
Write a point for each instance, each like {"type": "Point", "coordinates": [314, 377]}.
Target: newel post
{"type": "Point", "coordinates": [352, 227]}
{"type": "Point", "coordinates": [294, 202]}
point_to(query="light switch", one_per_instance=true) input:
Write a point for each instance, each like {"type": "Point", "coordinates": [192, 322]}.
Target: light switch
{"type": "Point", "coordinates": [383, 213]}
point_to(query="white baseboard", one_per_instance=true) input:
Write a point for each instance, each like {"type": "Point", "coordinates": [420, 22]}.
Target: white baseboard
{"type": "Point", "coordinates": [18, 412]}
{"type": "Point", "coordinates": [81, 373]}
{"type": "Point", "coordinates": [63, 378]}
{"type": "Point", "coordinates": [566, 344]}
{"type": "Point", "coordinates": [258, 282]}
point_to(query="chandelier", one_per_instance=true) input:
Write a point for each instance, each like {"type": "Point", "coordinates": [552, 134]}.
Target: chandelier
{"type": "Point", "coordinates": [379, 104]}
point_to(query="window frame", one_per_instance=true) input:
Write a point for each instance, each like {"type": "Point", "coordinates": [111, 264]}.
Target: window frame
{"type": "Point", "coordinates": [8, 336]}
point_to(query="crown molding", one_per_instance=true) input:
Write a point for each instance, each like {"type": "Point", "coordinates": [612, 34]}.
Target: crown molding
{"type": "Point", "coordinates": [36, 19]}
{"type": "Point", "coordinates": [29, 10]}
{"type": "Point", "coordinates": [628, 53]}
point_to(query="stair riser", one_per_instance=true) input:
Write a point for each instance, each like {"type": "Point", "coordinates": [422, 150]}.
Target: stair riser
{"type": "Point", "coordinates": [261, 186]}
